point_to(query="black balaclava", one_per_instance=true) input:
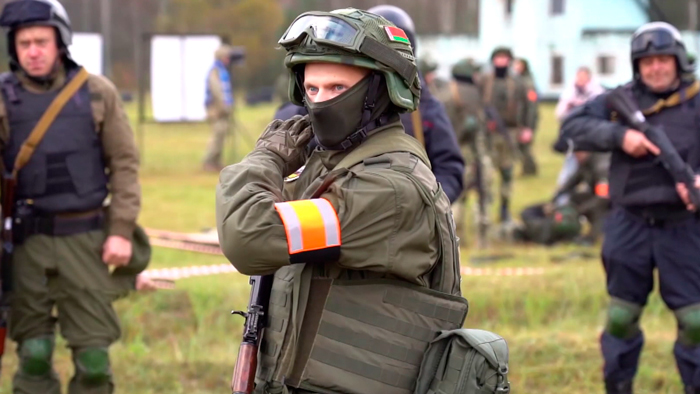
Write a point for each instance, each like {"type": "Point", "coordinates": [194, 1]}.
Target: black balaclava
{"type": "Point", "coordinates": [501, 72]}
{"type": "Point", "coordinates": [345, 121]}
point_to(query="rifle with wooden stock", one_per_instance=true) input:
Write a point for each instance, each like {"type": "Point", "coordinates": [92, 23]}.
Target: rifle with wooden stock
{"type": "Point", "coordinates": [9, 183]}
{"type": "Point", "coordinates": [243, 381]}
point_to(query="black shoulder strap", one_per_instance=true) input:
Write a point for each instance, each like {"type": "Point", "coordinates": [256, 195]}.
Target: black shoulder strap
{"type": "Point", "coordinates": [9, 81]}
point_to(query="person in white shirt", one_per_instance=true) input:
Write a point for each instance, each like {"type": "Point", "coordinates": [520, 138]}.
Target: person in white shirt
{"type": "Point", "coordinates": [583, 89]}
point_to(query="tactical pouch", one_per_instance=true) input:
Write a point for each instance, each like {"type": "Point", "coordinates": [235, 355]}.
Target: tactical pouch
{"type": "Point", "coordinates": [465, 361]}
{"type": "Point", "coordinates": [21, 227]}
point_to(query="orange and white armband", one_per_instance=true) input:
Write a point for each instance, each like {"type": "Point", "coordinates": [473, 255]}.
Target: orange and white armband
{"type": "Point", "coordinates": [313, 230]}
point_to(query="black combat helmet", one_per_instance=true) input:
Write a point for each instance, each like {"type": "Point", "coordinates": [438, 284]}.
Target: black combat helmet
{"type": "Point", "coordinates": [398, 17]}
{"type": "Point", "coordinates": [22, 13]}
{"type": "Point", "coordinates": [502, 51]}
{"type": "Point", "coordinates": [659, 38]}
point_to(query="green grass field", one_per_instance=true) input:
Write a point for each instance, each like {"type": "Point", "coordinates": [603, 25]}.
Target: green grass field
{"type": "Point", "coordinates": [186, 341]}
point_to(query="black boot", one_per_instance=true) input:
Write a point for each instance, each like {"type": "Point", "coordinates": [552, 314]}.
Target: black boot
{"type": "Point", "coordinates": [618, 387]}
{"type": "Point", "coordinates": [505, 210]}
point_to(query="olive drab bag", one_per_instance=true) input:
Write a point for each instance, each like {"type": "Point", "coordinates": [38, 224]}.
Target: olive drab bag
{"type": "Point", "coordinates": [465, 361]}
{"type": "Point", "coordinates": [548, 228]}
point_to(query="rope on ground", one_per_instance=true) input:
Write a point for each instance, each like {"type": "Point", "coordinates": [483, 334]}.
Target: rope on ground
{"type": "Point", "coordinates": [180, 241]}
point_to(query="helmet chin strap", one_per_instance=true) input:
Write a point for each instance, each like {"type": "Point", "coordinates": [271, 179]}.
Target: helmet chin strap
{"type": "Point", "coordinates": [366, 126]}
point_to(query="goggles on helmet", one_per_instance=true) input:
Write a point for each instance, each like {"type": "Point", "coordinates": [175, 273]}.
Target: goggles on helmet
{"type": "Point", "coordinates": [24, 12]}
{"type": "Point", "coordinates": [324, 29]}
{"type": "Point", "coordinates": [342, 33]}
{"type": "Point", "coordinates": [658, 39]}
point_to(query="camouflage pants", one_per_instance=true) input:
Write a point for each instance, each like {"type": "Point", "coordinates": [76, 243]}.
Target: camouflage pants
{"type": "Point", "coordinates": [504, 156]}
{"type": "Point", "coordinates": [527, 158]}
{"type": "Point", "coordinates": [66, 273]}
{"type": "Point", "coordinates": [220, 129]}
{"type": "Point", "coordinates": [471, 185]}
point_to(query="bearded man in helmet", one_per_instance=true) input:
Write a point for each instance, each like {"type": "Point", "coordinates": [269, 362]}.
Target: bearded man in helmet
{"type": "Point", "coordinates": [652, 225]}
{"type": "Point", "coordinates": [366, 244]}
{"type": "Point", "coordinates": [66, 240]}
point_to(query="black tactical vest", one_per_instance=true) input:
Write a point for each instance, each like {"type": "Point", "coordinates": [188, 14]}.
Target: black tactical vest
{"type": "Point", "coordinates": [66, 173]}
{"type": "Point", "coordinates": [644, 181]}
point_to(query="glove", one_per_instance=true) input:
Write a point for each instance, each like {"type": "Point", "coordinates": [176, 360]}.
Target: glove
{"type": "Point", "coordinates": [287, 140]}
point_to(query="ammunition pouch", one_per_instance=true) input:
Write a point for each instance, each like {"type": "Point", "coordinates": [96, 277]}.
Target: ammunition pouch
{"type": "Point", "coordinates": [465, 361]}
{"type": "Point", "coordinates": [28, 222]}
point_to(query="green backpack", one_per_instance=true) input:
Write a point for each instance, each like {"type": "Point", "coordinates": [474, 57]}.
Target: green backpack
{"type": "Point", "coordinates": [465, 361]}
{"type": "Point", "coordinates": [561, 225]}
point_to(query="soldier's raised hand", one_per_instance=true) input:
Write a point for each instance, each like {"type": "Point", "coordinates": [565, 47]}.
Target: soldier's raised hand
{"type": "Point", "coordinates": [288, 140]}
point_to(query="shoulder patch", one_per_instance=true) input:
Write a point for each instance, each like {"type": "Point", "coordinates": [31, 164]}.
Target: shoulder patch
{"type": "Point", "coordinates": [532, 95]}
{"type": "Point", "coordinates": [293, 177]}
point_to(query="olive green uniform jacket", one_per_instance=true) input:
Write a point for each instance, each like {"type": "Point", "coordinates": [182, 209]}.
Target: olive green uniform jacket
{"type": "Point", "coordinates": [398, 244]}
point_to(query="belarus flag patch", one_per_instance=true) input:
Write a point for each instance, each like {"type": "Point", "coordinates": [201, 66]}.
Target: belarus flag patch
{"type": "Point", "coordinates": [396, 34]}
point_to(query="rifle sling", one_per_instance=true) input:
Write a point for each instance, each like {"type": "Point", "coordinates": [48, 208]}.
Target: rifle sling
{"type": "Point", "coordinates": [674, 99]}
{"type": "Point", "coordinates": [417, 121]}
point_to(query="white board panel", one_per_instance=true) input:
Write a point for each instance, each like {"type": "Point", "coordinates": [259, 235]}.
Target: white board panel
{"type": "Point", "coordinates": [179, 68]}
{"type": "Point", "coordinates": [199, 58]}
{"type": "Point", "coordinates": [87, 50]}
{"type": "Point", "coordinates": [166, 78]}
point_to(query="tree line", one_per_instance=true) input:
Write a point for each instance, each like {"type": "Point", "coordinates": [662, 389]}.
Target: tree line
{"type": "Point", "coordinates": [253, 24]}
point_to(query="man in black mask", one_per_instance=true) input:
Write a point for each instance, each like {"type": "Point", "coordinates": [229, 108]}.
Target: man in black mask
{"type": "Point", "coordinates": [652, 224]}
{"type": "Point", "coordinates": [429, 123]}
{"type": "Point", "coordinates": [366, 217]}
{"type": "Point", "coordinates": [509, 96]}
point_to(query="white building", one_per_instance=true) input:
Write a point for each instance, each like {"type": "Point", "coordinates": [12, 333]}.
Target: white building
{"type": "Point", "coordinates": [555, 36]}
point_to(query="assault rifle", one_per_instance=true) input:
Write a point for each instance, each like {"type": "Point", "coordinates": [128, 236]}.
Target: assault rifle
{"type": "Point", "coordinates": [9, 183]}
{"type": "Point", "coordinates": [243, 381]}
{"type": "Point", "coordinates": [628, 111]}
{"type": "Point", "coordinates": [492, 116]}
{"type": "Point", "coordinates": [480, 185]}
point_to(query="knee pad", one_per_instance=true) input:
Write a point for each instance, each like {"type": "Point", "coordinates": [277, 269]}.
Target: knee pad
{"type": "Point", "coordinates": [35, 356]}
{"type": "Point", "coordinates": [689, 325]}
{"type": "Point", "coordinates": [92, 366]}
{"type": "Point", "coordinates": [623, 319]}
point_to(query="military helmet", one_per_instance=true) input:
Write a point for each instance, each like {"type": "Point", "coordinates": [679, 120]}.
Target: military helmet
{"type": "Point", "coordinates": [22, 13]}
{"type": "Point", "coordinates": [463, 69]}
{"type": "Point", "coordinates": [398, 17]}
{"type": "Point", "coordinates": [659, 38]}
{"type": "Point", "coordinates": [501, 51]}
{"type": "Point", "coordinates": [427, 65]}
{"type": "Point", "coordinates": [353, 37]}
